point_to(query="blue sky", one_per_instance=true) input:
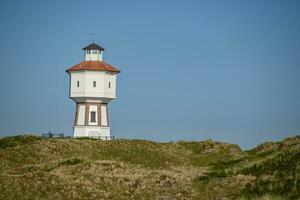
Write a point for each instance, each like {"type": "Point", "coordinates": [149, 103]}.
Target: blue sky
{"type": "Point", "coordinates": [191, 70]}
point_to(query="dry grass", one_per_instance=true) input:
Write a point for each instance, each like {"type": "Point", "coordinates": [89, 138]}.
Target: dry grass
{"type": "Point", "coordinates": [35, 168]}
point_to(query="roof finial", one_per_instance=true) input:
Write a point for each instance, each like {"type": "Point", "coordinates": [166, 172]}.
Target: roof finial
{"type": "Point", "coordinates": [92, 37]}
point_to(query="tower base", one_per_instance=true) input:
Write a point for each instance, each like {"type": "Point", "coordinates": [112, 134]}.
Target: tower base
{"type": "Point", "coordinates": [91, 120]}
{"type": "Point", "coordinates": [92, 132]}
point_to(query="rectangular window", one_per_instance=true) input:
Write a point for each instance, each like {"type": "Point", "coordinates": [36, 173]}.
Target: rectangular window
{"type": "Point", "coordinates": [94, 83]}
{"type": "Point", "coordinates": [77, 83]}
{"type": "Point", "coordinates": [108, 84]}
{"type": "Point", "coordinates": [93, 116]}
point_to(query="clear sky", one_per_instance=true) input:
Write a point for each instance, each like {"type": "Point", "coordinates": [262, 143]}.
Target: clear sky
{"type": "Point", "coordinates": [191, 70]}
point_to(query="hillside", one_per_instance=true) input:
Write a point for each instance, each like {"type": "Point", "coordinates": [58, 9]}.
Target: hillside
{"type": "Point", "coordinates": [38, 168]}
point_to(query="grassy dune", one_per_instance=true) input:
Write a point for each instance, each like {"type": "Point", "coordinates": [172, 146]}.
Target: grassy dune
{"type": "Point", "coordinates": [35, 168]}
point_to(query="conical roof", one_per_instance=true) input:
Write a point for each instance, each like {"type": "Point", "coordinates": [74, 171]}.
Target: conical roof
{"type": "Point", "coordinates": [94, 66]}
{"type": "Point", "coordinates": [93, 46]}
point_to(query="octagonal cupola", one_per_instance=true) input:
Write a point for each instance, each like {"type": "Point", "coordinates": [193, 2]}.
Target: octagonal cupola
{"type": "Point", "coordinates": [93, 52]}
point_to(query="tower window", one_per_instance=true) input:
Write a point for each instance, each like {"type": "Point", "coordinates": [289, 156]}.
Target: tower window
{"type": "Point", "coordinates": [108, 84]}
{"type": "Point", "coordinates": [93, 116]}
{"type": "Point", "coordinates": [77, 83]}
{"type": "Point", "coordinates": [94, 83]}
{"type": "Point", "coordinates": [88, 51]}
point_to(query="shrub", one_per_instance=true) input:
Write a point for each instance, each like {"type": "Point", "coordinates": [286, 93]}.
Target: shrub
{"type": "Point", "coordinates": [279, 176]}
{"type": "Point", "coordinates": [12, 141]}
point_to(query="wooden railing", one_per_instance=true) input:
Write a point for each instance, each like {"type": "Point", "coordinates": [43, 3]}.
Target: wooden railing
{"type": "Point", "coordinates": [53, 135]}
{"type": "Point", "coordinates": [61, 135]}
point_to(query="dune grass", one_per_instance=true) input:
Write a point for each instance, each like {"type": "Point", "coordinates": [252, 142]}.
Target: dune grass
{"type": "Point", "coordinates": [51, 168]}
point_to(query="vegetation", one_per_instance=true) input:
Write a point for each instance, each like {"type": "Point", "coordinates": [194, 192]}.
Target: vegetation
{"type": "Point", "coordinates": [270, 171]}
{"type": "Point", "coordinates": [17, 140]}
{"type": "Point", "coordinates": [46, 168]}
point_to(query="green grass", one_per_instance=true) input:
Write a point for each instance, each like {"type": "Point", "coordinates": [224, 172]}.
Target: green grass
{"type": "Point", "coordinates": [279, 175]}
{"type": "Point", "coordinates": [264, 197]}
{"type": "Point", "coordinates": [276, 174]}
{"type": "Point", "coordinates": [206, 153]}
{"type": "Point", "coordinates": [10, 142]}
{"type": "Point", "coordinates": [50, 168]}
{"type": "Point", "coordinates": [68, 162]}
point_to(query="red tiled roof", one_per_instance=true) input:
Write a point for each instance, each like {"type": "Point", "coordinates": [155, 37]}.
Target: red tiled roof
{"type": "Point", "coordinates": [93, 65]}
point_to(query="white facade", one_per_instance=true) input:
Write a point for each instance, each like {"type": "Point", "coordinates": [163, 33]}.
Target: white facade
{"type": "Point", "coordinates": [81, 115]}
{"type": "Point", "coordinates": [95, 84]}
{"type": "Point", "coordinates": [93, 55]}
{"type": "Point", "coordinates": [93, 132]}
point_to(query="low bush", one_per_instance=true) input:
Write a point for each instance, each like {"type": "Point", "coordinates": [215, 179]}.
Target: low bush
{"type": "Point", "coordinates": [13, 141]}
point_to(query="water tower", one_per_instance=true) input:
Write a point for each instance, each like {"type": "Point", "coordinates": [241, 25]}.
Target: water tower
{"type": "Point", "coordinates": [92, 87]}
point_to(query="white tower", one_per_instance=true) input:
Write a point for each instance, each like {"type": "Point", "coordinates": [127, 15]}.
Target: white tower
{"type": "Point", "coordinates": [92, 87]}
